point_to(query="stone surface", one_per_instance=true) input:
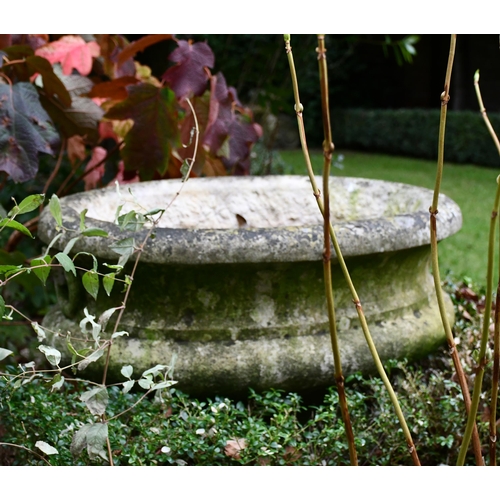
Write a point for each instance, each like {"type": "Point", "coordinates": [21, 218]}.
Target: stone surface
{"type": "Point", "coordinates": [232, 284]}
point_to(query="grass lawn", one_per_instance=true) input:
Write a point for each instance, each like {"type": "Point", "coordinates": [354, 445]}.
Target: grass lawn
{"type": "Point", "coordinates": [473, 188]}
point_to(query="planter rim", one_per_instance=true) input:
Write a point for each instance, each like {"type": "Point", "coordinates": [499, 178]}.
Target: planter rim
{"type": "Point", "coordinates": [400, 219]}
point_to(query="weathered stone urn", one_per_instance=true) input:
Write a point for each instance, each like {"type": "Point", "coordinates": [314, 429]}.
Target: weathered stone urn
{"type": "Point", "coordinates": [232, 282]}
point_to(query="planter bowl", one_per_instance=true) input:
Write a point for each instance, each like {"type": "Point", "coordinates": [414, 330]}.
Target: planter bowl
{"type": "Point", "coordinates": [232, 283]}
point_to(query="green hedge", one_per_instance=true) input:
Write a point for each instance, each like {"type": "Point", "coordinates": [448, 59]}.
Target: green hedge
{"type": "Point", "coordinates": [414, 132]}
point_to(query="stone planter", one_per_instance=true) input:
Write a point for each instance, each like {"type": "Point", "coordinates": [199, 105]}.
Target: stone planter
{"type": "Point", "coordinates": [232, 283]}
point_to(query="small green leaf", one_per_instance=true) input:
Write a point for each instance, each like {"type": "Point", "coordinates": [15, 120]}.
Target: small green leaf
{"type": "Point", "coordinates": [4, 353]}
{"type": "Point", "coordinates": [164, 384]}
{"type": "Point", "coordinates": [41, 268]}
{"type": "Point", "coordinates": [155, 370]}
{"type": "Point", "coordinates": [127, 371]}
{"type": "Point", "coordinates": [125, 248]}
{"type": "Point", "coordinates": [8, 269]}
{"type": "Point", "coordinates": [46, 448]}
{"type": "Point", "coordinates": [90, 359]}
{"type": "Point", "coordinates": [95, 231]}
{"type": "Point", "coordinates": [116, 267]}
{"type": "Point", "coordinates": [96, 327]}
{"type": "Point", "coordinates": [53, 355]}
{"type": "Point", "coordinates": [127, 386]}
{"type": "Point", "coordinates": [108, 281]}
{"type": "Point", "coordinates": [154, 211]}
{"type": "Point", "coordinates": [131, 221]}
{"type": "Point", "coordinates": [90, 281]}
{"type": "Point", "coordinates": [70, 347]}
{"type": "Point", "coordinates": [66, 262]}
{"type": "Point", "coordinates": [96, 400]}
{"type": "Point", "coordinates": [29, 204]}
{"type": "Point", "coordinates": [15, 225]}
{"type": "Point", "coordinates": [146, 383]}
{"type": "Point", "coordinates": [104, 317]}
{"type": "Point", "coordinates": [79, 441]}
{"type": "Point", "coordinates": [184, 170]}
{"type": "Point", "coordinates": [96, 441]}
{"type": "Point", "coordinates": [94, 260]}
{"type": "Point", "coordinates": [40, 332]}
{"type": "Point", "coordinates": [83, 213]}
{"type": "Point", "coordinates": [57, 382]}
{"type": "Point", "coordinates": [55, 210]}
{"type": "Point", "coordinates": [119, 334]}
{"type": "Point", "coordinates": [2, 307]}
{"type": "Point", "coordinates": [71, 243]}
{"type": "Point", "coordinates": [93, 437]}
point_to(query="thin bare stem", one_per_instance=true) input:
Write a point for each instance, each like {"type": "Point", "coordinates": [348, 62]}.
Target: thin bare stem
{"type": "Point", "coordinates": [328, 148]}
{"type": "Point", "coordinates": [482, 358]}
{"type": "Point", "coordinates": [90, 170]}
{"type": "Point", "coordinates": [494, 383]}
{"type": "Point", "coordinates": [26, 449]}
{"type": "Point", "coordinates": [56, 168]}
{"type": "Point", "coordinates": [433, 210]}
{"type": "Point", "coordinates": [371, 346]}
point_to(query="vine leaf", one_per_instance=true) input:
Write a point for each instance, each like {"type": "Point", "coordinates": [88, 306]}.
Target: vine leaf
{"type": "Point", "coordinates": [83, 116]}
{"type": "Point", "coordinates": [96, 400]}
{"type": "Point", "coordinates": [4, 353]}
{"type": "Point", "coordinates": [53, 355]}
{"type": "Point", "coordinates": [25, 131]}
{"type": "Point", "coordinates": [51, 82]}
{"type": "Point", "coordinates": [15, 225]}
{"type": "Point", "coordinates": [27, 205]}
{"type": "Point", "coordinates": [93, 437]}
{"type": "Point", "coordinates": [226, 130]}
{"type": "Point", "coordinates": [43, 271]}
{"type": "Point", "coordinates": [46, 448]}
{"type": "Point", "coordinates": [90, 281]}
{"type": "Point", "coordinates": [139, 45]}
{"type": "Point", "coordinates": [72, 51]}
{"type": "Point", "coordinates": [65, 262]}
{"type": "Point", "coordinates": [149, 142]}
{"type": "Point", "coordinates": [113, 89]}
{"type": "Point", "coordinates": [189, 75]}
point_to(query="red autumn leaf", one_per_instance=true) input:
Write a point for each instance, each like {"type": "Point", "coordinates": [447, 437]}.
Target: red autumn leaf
{"type": "Point", "coordinates": [139, 45]}
{"type": "Point", "coordinates": [34, 41]}
{"type": "Point", "coordinates": [114, 89]}
{"type": "Point", "coordinates": [76, 149]}
{"type": "Point", "coordinates": [73, 52]}
{"type": "Point", "coordinates": [93, 178]}
{"type": "Point", "coordinates": [25, 131]}
{"type": "Point", "coordinates": [221, 114]}
{"type": "Point", "coordinates": [189, 75]}
{"type": "Point", "coordinates": [149, 142]}
{"type": "Point", "coordinates": [51, 82]}
{"type": "Point", "coordinates": [229, 133]}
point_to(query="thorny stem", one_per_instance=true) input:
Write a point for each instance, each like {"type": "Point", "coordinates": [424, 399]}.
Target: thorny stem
{"type": "Point", "coordinates": [328, 148]}
{"type": "Point", "coordinates": [371, 346]}
{"type": "Point", "coordinates": [445, 97]}
{"type": "Point", "coordinates": [482, 359]}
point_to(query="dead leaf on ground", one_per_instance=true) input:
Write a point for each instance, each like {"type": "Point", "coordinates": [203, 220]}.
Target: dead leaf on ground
{"type": "Point", "coordinates": [234, 446]}
{"type": "Point", "coordinates": [291, 454]}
